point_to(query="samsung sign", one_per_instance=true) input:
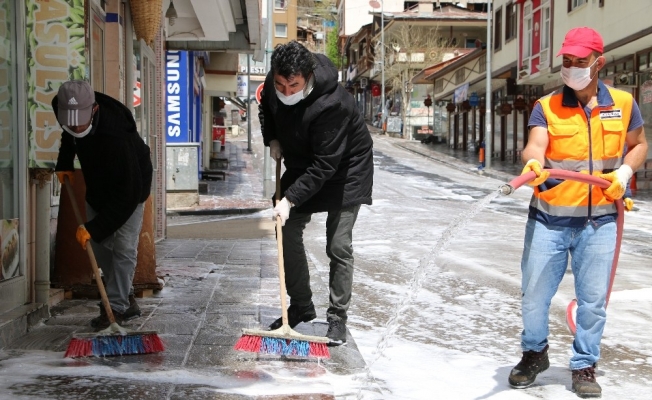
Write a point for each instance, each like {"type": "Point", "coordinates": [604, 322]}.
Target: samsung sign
{"type": "Point", "coordinates": [176, 97]}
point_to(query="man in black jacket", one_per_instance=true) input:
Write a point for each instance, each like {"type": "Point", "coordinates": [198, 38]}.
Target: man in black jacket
{"type": "Point", "coordinates": [117, 171]}
{"type": "Point", "coordinates": [313, 123]}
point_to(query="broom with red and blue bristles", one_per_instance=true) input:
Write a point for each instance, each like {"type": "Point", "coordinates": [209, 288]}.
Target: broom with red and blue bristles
{"type": "Point", "coordinates": [283, 341]}
{"type": "Point", "coordinates": [114, 340]}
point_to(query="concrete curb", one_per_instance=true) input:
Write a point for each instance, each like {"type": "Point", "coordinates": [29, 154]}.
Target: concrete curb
{"type": "Point", "coordinates": [215, 211]}
{"type": "Point", "coordinates": [460, 165]}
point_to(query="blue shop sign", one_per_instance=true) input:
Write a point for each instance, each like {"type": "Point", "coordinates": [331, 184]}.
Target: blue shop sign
{"type": "Point", "coordinates": [474, 100]}
{"type": "Point", "coordinates": [176, 97]}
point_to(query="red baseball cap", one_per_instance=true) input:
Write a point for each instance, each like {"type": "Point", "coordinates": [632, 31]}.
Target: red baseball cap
{"type": "Point", "coordinates": [580, 42]}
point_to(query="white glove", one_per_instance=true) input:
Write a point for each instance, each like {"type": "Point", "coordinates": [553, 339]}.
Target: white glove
{"type": "Point", "coordinates": [275, 149]}
{"type": "Point", "coordinates": [282, 210]}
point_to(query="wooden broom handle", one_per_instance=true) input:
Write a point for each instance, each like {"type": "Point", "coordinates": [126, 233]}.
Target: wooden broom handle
{"type": "Point", "coordinates": [91, 255]}
{"type": "Point", "coordinates": [279, 244]}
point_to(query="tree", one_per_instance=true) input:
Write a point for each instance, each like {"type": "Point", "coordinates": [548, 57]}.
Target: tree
{"type": "Point", "coordinates": [408, 49]}
{"type": "Point", "coordinates": [332, 47]}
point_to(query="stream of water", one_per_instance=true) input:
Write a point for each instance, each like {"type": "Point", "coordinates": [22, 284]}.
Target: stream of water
{"type": "Point", "coordinates": [415, 283]}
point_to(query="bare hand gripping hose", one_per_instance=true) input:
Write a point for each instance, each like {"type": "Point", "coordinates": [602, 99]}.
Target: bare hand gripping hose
{"type": "Point", "coordinates": [519, 181]}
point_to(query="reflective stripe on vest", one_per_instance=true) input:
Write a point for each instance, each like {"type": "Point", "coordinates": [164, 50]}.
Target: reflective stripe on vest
{"type": "Point", "coordinates": [576, 145]}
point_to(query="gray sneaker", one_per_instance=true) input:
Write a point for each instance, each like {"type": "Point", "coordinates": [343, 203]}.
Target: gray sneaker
{"type": "Point", "coordinates": [336, 332]}
{"type": "Point", "coordinates": [584, 383]}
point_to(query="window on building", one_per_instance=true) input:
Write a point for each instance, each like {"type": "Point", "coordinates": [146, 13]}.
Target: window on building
{"type": "Point", "coordinates": [510, 22]}
{"type": "Point", "coordinates": [527, 33]}
{"type": "Point", "coordinates": [459, 76]}
{"type": "Point", "coordinates": [545, 28]}
{"type": "Point", "coordinates": [410, 4]}
{"type": "Point", "coordinates": [573, 4]}
{"type": "Point", "coordinates": [439, 85]}
{"type": "Point", "coordinates": [498, 29]}
{"type": "Point", "coordinates": [281, 30]}
{"type": "Point", "coordinates": [280, 4]}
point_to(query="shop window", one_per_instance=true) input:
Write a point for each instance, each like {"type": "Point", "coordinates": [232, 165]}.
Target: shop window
{"type": "Point", "coordinates": [8, 120]}
{"type": "Point", "coordinates": [643, 61]}
{"type": "Point", "coordinates": [97, 51]}
{"type": "Point", "coordinates": [629, 65]}
{"type": "Point", "coordinates": [9, 130]}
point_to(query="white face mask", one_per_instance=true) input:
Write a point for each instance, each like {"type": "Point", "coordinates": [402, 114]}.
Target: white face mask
{"type": "Point", "coordinates": [291, 99]}
{"type": "Point", "coordinates": [80, 134]}
{"type": "Point", "coordinates": [577, 78]}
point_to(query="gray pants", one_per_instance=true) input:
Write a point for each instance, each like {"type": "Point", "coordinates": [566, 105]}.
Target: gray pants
{"type": "Point", "coordinates": [116, 256]}
{"type": "Point", "coordinates": [339, 248]}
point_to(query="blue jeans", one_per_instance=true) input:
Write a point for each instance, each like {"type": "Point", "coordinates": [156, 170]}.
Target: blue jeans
{"type": "Point", "coordinates": [545, 259]}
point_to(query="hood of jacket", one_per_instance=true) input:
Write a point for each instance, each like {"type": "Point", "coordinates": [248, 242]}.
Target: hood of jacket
{"type": "Point", "coordinates": [325, 75]}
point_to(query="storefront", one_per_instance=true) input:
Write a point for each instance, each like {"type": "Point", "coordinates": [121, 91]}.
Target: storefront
{"type": "Point", "coordinates": [15, 289]}
{"type": "Point", "coordinates": [183, 110]}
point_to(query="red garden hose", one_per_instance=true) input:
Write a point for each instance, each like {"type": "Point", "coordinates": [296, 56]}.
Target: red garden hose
{"type": "Point", "coordinates": [591, 180]}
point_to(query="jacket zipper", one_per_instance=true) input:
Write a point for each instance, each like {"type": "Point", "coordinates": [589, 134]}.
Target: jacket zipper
{"type": "Point", "coordinates": [590, 216]}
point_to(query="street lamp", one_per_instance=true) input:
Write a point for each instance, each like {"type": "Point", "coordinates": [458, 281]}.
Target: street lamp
{"type": "Point", "coordinates": [375, 4]}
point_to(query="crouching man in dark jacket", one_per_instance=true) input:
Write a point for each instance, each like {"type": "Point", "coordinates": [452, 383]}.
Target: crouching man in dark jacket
{"type": "Point", "coordinates": [117, 170]}
{"type": "Point", "coordinates": [312, 122]}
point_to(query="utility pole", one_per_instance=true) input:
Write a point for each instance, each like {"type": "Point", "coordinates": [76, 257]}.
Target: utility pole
{"type": "Point", "coordinates": [375, 4]}
{"type": "Point", "coordinates": [488, 125]}
{"type": "Point", "coordinates": [267, 162]}
{"type": "Point", "coordinates": [248, 102]}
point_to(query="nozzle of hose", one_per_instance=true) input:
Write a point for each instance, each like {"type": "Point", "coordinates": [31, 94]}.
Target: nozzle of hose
{"type": "Point", "coordinates": [506, 189]}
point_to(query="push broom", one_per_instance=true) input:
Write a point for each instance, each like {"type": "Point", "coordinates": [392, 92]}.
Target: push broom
{"type": "Point", "coordinates": [283, 341]}
{"type": "Point", "coordinates": [114, 340]}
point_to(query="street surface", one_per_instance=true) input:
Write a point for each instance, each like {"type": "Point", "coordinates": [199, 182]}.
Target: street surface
{"type": "Point", "coordinates": [458, 334]}
{"type": "Point", "coordinates": [435, 311]}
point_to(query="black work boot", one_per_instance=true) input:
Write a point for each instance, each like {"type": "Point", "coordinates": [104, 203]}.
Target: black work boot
{"type": "Point", "coordinates": [336, 332]}
{"type": "Point", "coordinates": [133, 311]}
{"type": "Point", "coordinates": [102, 322]}
{"type": "Point", "coordinates": [526, 371]}
{"type": "Point", "coordinates": [584, 383]}
{"type": "Point", "coordinates": [296, 315]}
{"type": "Point", "coordinates": [130, 313]}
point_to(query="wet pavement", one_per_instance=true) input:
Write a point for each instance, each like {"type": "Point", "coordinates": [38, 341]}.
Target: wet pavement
{"type": "Point", "coordinates": [213, 290]}
{"type": "Point", "coordinates": [219, 265]}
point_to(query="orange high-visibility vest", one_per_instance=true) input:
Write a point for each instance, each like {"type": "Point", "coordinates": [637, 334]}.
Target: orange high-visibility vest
{"type": "Point", "coordinates": [582, 145]}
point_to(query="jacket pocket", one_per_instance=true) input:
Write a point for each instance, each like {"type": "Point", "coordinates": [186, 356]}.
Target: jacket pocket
{"type": "Point", "coordinates": [613, 137]}
{"type": "Point", "coordinates": [565, 140]}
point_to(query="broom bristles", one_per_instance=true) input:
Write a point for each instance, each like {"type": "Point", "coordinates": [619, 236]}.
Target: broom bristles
{"type": "Point", "coordinates": [282, 347]}
{"type": "Point", "coordinates": [114, 345]}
